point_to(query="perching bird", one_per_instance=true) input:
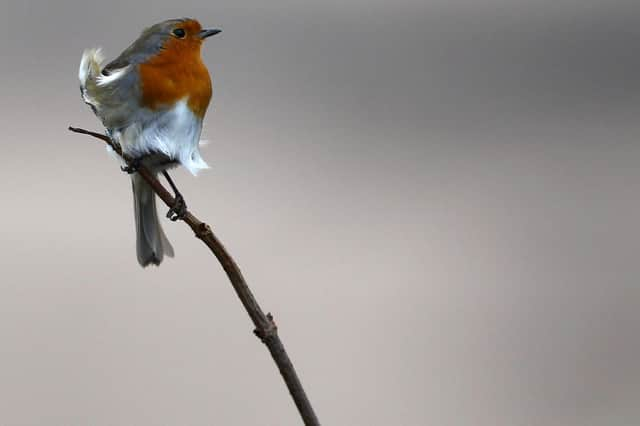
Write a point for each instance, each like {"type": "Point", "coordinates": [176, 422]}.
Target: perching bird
{"type": "Point", "coordinates": [152, 100]}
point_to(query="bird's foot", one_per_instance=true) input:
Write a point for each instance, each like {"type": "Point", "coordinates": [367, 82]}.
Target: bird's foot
{"type": "Point", "coordinates": [178, 210]}
{"type": "Point", "coordinates": [132, 167]}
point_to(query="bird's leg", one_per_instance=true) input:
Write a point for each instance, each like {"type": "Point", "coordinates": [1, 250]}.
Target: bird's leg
{"type": "Point", "coordinates": [179, 208]}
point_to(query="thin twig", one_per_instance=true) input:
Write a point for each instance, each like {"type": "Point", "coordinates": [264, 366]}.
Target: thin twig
{"type": "Point", "coordinates": [266, 328]}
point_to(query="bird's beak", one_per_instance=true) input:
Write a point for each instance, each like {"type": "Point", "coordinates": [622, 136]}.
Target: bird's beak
{"type": "Point", "coordinates": [208, 33]}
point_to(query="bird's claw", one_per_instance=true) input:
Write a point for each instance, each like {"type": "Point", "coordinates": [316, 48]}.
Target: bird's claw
{"type": "Point", "coordinates": [178, 210]}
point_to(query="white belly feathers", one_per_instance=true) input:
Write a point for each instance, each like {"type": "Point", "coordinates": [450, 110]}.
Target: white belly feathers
{"type": "Point", "coordinates": [174, 132]}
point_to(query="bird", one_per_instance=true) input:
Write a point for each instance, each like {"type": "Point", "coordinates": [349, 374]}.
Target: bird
{"type": "Point", "coordinates": [152, 100]}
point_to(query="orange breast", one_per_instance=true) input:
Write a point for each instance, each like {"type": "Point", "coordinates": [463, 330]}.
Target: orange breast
{"type": "Point", "coordinates": [176, 73]}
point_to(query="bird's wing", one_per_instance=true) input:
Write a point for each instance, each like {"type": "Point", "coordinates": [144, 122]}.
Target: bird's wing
{"type": "Point", "coordinates": [116, 95]}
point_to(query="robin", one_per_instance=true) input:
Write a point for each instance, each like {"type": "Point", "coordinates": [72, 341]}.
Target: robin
{"type": "Point", "coordinates": [152, 100]}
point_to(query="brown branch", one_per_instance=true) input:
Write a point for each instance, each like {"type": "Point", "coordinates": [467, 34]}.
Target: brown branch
{"type": "Point", "coordinates": [266, 328]}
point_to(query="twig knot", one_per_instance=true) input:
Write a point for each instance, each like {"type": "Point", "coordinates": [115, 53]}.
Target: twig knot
{"type": "Point", "coordinates": [267, 330]}
{"type": "Point", "coordinates": [203, 230]}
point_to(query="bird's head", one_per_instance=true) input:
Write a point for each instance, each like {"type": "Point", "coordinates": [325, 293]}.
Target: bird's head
{"type": "Point", "coordinates": [178, 34]}
{"type": "Point", "coordinates": [189, 31]}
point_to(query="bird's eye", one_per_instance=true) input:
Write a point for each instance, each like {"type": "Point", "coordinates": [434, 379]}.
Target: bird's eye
{"type": "Point", "coordinates": [179, 32]}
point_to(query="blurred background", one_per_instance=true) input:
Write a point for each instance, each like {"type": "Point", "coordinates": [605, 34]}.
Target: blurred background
{"type": "Point", "coordinates": [438, 201]}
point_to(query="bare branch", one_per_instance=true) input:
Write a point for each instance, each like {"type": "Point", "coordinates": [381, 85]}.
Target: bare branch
{"type": "Point", "coordinates": [266, 328]}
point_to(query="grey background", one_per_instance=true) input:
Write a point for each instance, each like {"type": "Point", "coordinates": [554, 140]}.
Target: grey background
{"type": "Point", "coordinates": [438, 200]}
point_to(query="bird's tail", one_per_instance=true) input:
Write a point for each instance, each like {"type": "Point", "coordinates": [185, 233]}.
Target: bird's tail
{"type": "Point", "coordinates": [88, 73]}
{"type": "Point", "coordinates": [151, 242]}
